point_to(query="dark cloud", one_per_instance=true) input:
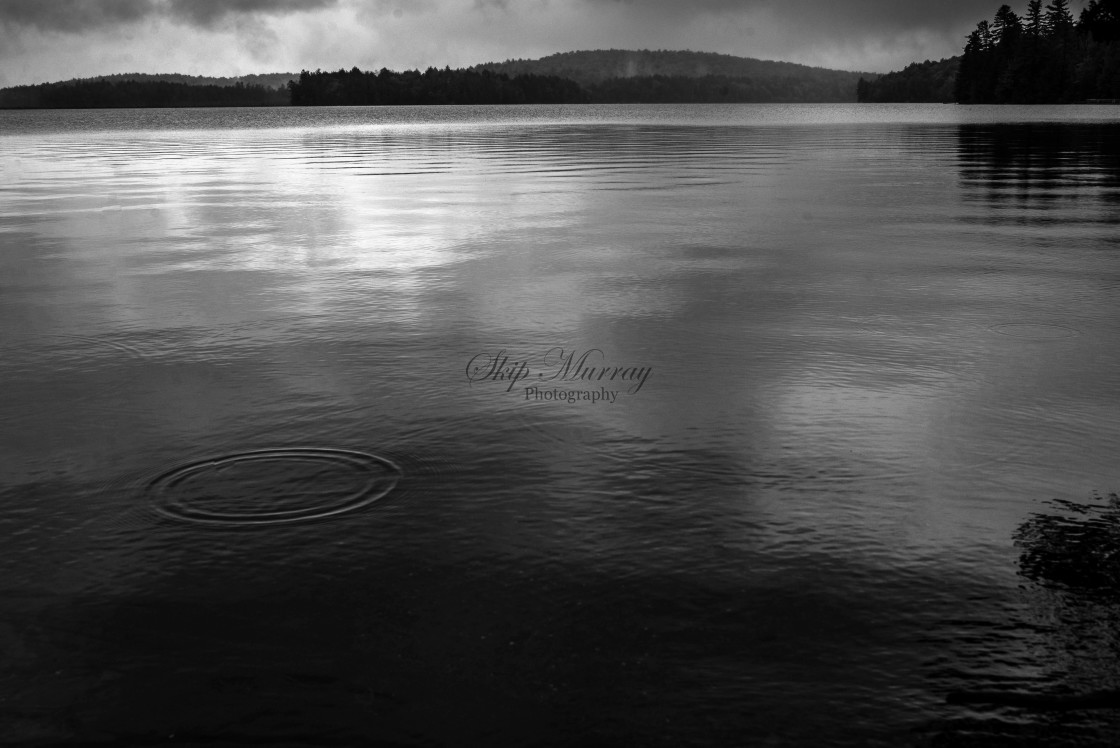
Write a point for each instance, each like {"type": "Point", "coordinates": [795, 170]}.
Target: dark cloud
{"type": "Point", "coordinates": [82, 15]}
{"type": "Point", "coordinates": [72, 15]}
{"type": "Point", "coordinates": [816, 14]}
{"type": "Point", "coordinates": [208, 12]}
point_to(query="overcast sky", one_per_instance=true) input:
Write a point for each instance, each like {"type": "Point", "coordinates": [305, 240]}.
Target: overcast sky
{"type": "Point", "coordinates": [46, 40]}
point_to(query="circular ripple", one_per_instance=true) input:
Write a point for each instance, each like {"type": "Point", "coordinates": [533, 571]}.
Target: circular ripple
{"type": "Point", "coordinates": [1034, 331]}
{"type": "Point", "coordinates": [272, 486]}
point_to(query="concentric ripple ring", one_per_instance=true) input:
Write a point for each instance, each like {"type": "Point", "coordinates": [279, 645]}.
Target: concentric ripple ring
{"type": "Point", "coordinates": [272, 486]}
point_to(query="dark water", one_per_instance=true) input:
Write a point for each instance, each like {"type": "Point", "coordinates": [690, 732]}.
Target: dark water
{"type": "Point", "coordinates": [835, 470]}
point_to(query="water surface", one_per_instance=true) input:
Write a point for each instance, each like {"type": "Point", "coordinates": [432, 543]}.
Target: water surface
{"type": "Point", "coordinates": [261, 478]}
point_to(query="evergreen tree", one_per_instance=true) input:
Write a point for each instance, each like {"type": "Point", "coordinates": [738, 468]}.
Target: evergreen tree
{"type": "Point", "coordinates": [1034, 18]}
{"type": "Point", "coordinates": [984, 36]}
{"type": "Point", "coordinates": [1059, 70]}
{"type": "Point", "coordinates": [970, 85]}
{"type": "Point", "coordinates": [1058, 21]}
{"type": "Point", "coordinates": [1007, 27]}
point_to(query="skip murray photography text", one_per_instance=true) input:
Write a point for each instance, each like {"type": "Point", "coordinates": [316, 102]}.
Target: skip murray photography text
{"type": "Point", "coordinates": [557, 374]}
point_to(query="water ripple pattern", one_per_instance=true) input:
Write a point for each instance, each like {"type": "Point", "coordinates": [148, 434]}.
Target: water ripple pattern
{"type": "Point", "coordinates": [1035, 331]}
{"type": "Point", "coordinates": [272, 486]}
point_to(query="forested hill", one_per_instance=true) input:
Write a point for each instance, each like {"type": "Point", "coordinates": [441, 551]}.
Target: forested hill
{"type": "Point", "coordinates": [919, 82]}
{"type": "Point", "coordinates": [127, 90]}
{"type": "Point", "coordinates": [618, 75]}
{"type": "Point", "coordinates": [599, 65]}
{"type": "Point", "coordinates": [123, 93]}
{"type": "Point", "coordinates": [611, 76]}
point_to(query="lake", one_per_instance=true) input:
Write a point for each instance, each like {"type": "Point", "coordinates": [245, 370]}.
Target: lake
{"type": "Point", "coordinates": [622, 425]}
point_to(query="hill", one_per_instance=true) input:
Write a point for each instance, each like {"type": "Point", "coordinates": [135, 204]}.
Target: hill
{"type": "Point", "coordinates": [599, 76]}
{"type": "Point", "coordinates": [126, 90]}
{"type": "Point", "coordinates": [619, 75]}
{"type": "Point", "coordinates": [596, 66]}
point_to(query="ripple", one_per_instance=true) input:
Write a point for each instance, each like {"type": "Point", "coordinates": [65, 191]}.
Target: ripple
{"type": "Point", "coordinates": [272, 486]}
{"type": "Point", "coordinates": [62, 345]}
{"type": "Point", "coordinates": [1034, 331]}
{"type": "Point", "coordinates": [111, 345]}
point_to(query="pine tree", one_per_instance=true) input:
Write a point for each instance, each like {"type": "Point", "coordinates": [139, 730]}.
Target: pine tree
{"type": "Point", "coordinates": [984, 31]}
{"type": "Point", "coordinates": [976, 78]}
{"type": "Point", "coordinates": [1007, 27]}
{"type": "Point", "coordinates": [1058, 20]}
{"type": "Point", "coordinates": [1034, 18]}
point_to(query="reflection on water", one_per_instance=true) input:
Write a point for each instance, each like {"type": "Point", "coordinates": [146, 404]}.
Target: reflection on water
{"type": "Point", "coordinates": [1034, 173]}
{"type": "Point", "coordinates": [249, 492]}
{"type": "Point", "coordinates": [1067, 551]}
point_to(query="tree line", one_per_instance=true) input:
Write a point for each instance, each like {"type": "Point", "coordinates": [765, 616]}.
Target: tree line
{"type": "Point", "coordinates": [918, 82]}
{"type": "Point", "coordinates": [1041, 57]}
{"type": "Point", "coordinates": [433, 86]}
{"type": "Point", "coordinates": [482, 86]}
{"type": "Point", "coordinates": [111, 93]}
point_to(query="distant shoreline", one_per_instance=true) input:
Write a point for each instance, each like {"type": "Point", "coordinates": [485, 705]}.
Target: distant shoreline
{"type": "Point", "coordinates": [598, 76]}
